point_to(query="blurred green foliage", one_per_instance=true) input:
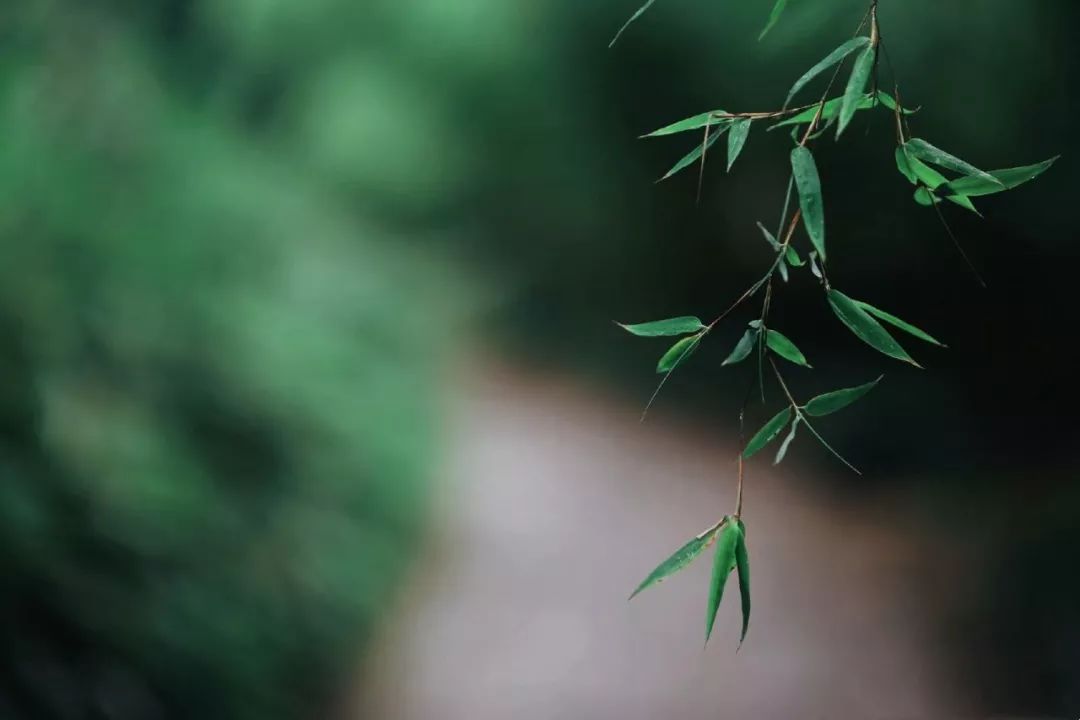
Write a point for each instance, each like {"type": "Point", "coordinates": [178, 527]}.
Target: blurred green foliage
{"type": "Point", "coordinates": [219, 369]}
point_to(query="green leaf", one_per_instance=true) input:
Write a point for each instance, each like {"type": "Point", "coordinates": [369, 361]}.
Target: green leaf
{"type": "Point", "coordinates": [742, 562]}
{"type": "Point", "coordinates": [691, 157]}
{"type": "Point", "coordinates": [743, 348]}
{"type": "Point", "coordinates": [897, 322]}
{"type": "Point", "coordinates": [679, 559]}
{"type": "Point", "coordinates": [785, 348]}
{"type": "Point", "coordinates": [723, 564]}
{"type": "Point", "coordinates": [837, 400]}
{"type": "Point", "coordinates": [808, 183]}
{"type": "Point", "coordinates": [781, 266]}
{"type": "Point", "coordinates": [814, 266]}
{"type": "Point", "coordinates": [769, 238]}
{"type": "Point", "coordinates": [890, 103]}
{"type": "Point", "coordinates": [782, 452]}
{"type": "Point", "coordinates": [774, 17]}
{"type": "Point", "coordinates": [768, 432]}
{"type": "Point", "coordinates": [678, 352]}
{"type": "Point", "coordinates": [663, 328]}
{"type": "Point", "coordinates": [691, 123]}
{"type": "Point", "coordinates": [860, 75]}
{"type": "Point", "coordinates": [903, 164]}
{"type": "Point", "coordinates": [830, 60]}
{"type": "Point", "coordinates": [866, 328]}
{"type": "Point", "coordinates": [740, 130]}
{"type": "Point", "coordinates": [640, 11]}
{"type": "Point", "coordinates": [792, 256]}
{"type": "Point", "coordinates": [917, 172]}
{"type": "Point", "coordinates": [975, 186]}
{"type": "Point", "coordinates": [936, 156]}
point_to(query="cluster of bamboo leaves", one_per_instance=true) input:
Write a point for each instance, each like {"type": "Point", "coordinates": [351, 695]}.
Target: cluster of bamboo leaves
{"type": "Point", "coordinates": [923, 164]}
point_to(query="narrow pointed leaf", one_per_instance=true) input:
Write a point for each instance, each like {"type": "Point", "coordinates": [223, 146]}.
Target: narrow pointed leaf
{"type": "Point", "coordinates": [662, 328]}
{"type": "Point", "coordinates": [814, 266]}
{"type": "Point", "coordinates": [866, 328]}
{"type": "Point", "coordinates": [769, 238]}
{"type": "Point", "coordinates": [678, 353]}
{"type": "Point", "coordinates": [936, 156]}
{"type": "Point", "coordinates": [695, 122]}
{"type": "Point", "coordinates": [786, 349]}
{"type": "Point", "coordinates": [897, 322]}
{"type": "Point", "coordinates": [678, 560]}
{"type": "Point", "coordinates": [782, 452]}
{"type": "Point", "coordinates": [768, 432]}
{"type": "Point", "coordinates": [890, 103]}
{"type": "Point", "coordinates": [975, 186]}
{"type": "Point", "coordinates": [723, 564]}
{"type": "Point", "coordinates": [853, 94]}
{"type": "Point", "coordinates": [808, 184]}
{"type": "Point", "coordinates": [742, 564]}
{"type": "Point", "coordinates": [830, 60]}
{"type": "Point", "coordinates": [903, 164]}
{"type": "Point", "coordinates": [640, 11]}
{"type": "Point", "coordinates": [743, 348]}
{"type": "Point", "coordinates": [919, 172]}
{"type": "Point", "coordinates": [829, 110]}
{"type": "Point", "coordinates": [694, 155]}
{"type": "Point", "coordinates": [781, 267]}
{"type": "Point", "coordinates": [837, 400]}
{"type": "Point", "coordinates": [774, 17]}
{"type": "Point", "coordinates": [793, 258]}
{"type": "Point", "coordinates": [740, 130]}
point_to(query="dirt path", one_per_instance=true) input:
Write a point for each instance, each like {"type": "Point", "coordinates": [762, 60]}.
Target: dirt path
{"type": "Point", "coordinates": [557, 502]}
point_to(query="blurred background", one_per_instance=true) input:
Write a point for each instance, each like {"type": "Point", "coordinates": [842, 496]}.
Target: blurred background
{"type": "Point", "coordinates": [311, 405]}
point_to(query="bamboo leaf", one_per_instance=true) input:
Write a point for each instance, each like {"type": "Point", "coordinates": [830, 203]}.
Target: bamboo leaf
{"type": "Point", "coordinates": [782, 452]}
{"type": "Point", "coordinates": [742, 563]}
{"type": "Point", "coordinates": [740, 131]}
{"type": "Point", "coordinates": [695, 122]}
{"type": "Point", "coordinates": [903, 164]}
{"type": "Point", "coordinates": [694, 155]}
{"type": "Point", "coordinates": [774, 17]}
{"type": "Point", "coordinates": [814, 266]}
{"type": "Point", "coordinates": [808, 183]}
{"type": "Point", "coordinates": [1007, 179]}
{"type": "Point", "coordinates": [769, 238]}
{"type": "Point", "coordinates": [768, 432]}
{"type": "Point", "coordinates": [678, 560]}
{"type": "Point", "coordinates": [860, 75]}
{"type": "Point", "coordinates": [640, 11]}
{"type": "Point", "coordinates": [936, 156]}
{"type": "Point", "coordinates": [897, 322]}
{"type": "Point", "coordinates": [723, 564]}
{"type": "Point", "coordinates": [743, 348]}
{"type": "Point", "coordinates": [786, 349]}
{"type": "Point", "coordinates": [830, 60]}
{"type": "Point", "coordinates": [678, 352]}
{"type": "Point", "coordinates": [866, 328]}
{"type": "Point", "coordinates": [837, 400]}
{"type": "Point", "coordinates": [663, 328]}
{"type": "Point", "coordinates": [793, 258]}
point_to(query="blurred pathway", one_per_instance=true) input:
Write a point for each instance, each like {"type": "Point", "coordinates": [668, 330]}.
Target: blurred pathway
{"type": "Point", "coordinates": [556, 504]}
